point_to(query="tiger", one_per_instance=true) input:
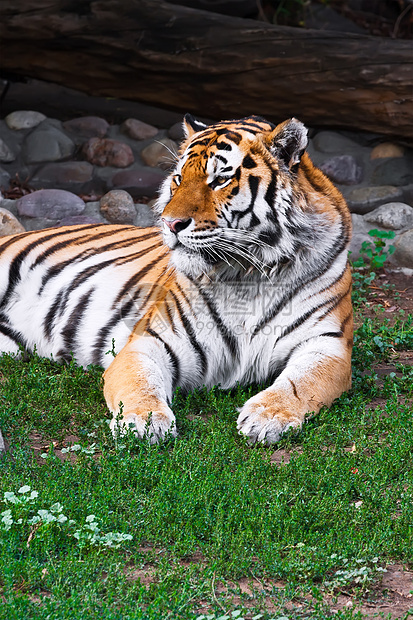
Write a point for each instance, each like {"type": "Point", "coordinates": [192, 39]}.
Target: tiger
{"type": "Point", "coordinates": [244, 280]}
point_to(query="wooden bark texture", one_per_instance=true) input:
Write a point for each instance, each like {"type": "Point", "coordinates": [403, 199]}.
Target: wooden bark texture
{"type": "Point", "coordinates": [211, 65]}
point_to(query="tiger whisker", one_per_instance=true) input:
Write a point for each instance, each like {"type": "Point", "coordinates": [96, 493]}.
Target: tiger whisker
{"type": "Point", "coordinates": [246, 236]}
{"type": "Point", "coordinates": [255, 262]}
{"type": "Point", "coordinates": [214, 253]}
{"type": "Point", "coordinates": [174, 154]}
{"type": "Point", "coordinates": [225, 246]}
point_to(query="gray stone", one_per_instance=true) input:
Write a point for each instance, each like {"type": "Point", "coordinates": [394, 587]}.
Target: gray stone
{"type": "Point", "coordinates": [10, 205]}
{"type": "Point", "coordinates": [117, 207]}
{"type": "Point", "coordinates": [47, 144]}
{"type": "Point", "coordinates": [343, 169]}
{"type": "Point", "coordinates": [38, 223]}
{"type": "Point", "coordinates": [6, 154]}
{"type": "Point", "coordinates": [403, 254]}
{"type": "Point", "coordinates": [395, 171]}
{"type": "Point", "coordinates": [360, 234]}
{"type": "Point", "coordinates": [70, 175]}
{"type": "Point", "coordinates": [333, 142]}
{"type": "Point", "coordinates": [106, 152]}
{"type": "Point", "coordinates": [76, 220]}
{"type": "Point", "coordinates": [24, 119]}
{"type": "Point", "coordinates": [12, 138]}
{"type": "Point", "coordinates": [408, 194]}
{"type": "Point", "coordinates": [144, 215]}
{"type": "Point", "coordinates": [140, 182]}
{"type": "Point", "coordinates": [393, 215]}
{"type": "Point", "coordinates": [138, 130]}
{"type": "Point", "coordinates": [92, 210]}
{"type": "Point", "coordinates": [52, 204]}
{"type": "Point", "coordinates": [365, 199]}
{"type": "Point", "coordinates": [160, 154]}
{"type": "Point", "coordinates": [88, 126]}
{"type": "Point", "coordinates": [9, 224]}
{"type": "Point", "coordinates": [176, 132]}
{"type": "Point", "coordinates": [4, 179]}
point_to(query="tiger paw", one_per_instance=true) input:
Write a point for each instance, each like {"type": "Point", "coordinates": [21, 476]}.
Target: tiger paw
{"type": "Point", "coordinates": [264, 422]}
{"type": "Point", "coordinates": [153, 427]}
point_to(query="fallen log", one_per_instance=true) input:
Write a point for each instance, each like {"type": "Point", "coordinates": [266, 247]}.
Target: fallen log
{"type": "Point", "coordinates": [212, 65]}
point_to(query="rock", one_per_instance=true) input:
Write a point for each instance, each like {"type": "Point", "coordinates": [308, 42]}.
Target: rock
{"type": "Point", "coordinates": [76, 220]}
{"type": "Point", "coordinates": [138, 130]}
{"type": "Point", "coordinates": [10, 205]}
{"type": "Point", "coordinates": [88, 126]}
{"type": "Point", "coordinates": [333, 142]}
{"type": "Point", "coordinates": [386, 149]}
{"type": "Point", "coordinates": [160, 154]}
{"type": "Point", "coordinates": [9, 225]}
{"type": "Point", "coordinates": [117, 207]}
{"type": "Point", "coordinates": [24, 119]}
{"type": "Point", "coordinates": [70, 175]}
{"type": "Point", "coordinates": [365, 199]}
{"type": "Point", "coordinates": [47, 143]}
{"type": "Point", "coordinates": [360, 234]}
{"type": "Point", "coordinates": [394, 171]}
{"type": "Point", "coordinates": [176, 132]}
{"type": "Point", "coordinates": [4, 179]}
{"type": "Point", "coordinates": [12, 139]}
{"type": "Point", "coordinates": [92, 211]}
{"type": "Point", "coordinates": [53, 204]}
{"type": "Point", "coordinates": [144, 215]}
{"type": "Point", "coordinates": [343, 169]}
{"type": "Point", "coordinates": [106, 152]}
{"type": "Point", "coordinates": [392, 215]}
{"type": "Point", "coordinates": [138, 182]}
{"type": "Point", "coordinates": [408, 194]}
{"type": "Point", "coordinates": [6, 154]}
{"type": "Point", "coordinates": [403, 254]}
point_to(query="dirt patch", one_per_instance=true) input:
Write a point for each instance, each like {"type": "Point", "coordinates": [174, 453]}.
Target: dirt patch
{"type": "Point", "coordinates": [393, 596]}
{"type": "Point", "coordinates": [194, 558]}
{"type": "Point", "coordinates": [283, 457]}
{"type": "Point", "coordinates": [146, 575]}
{"type": "Point", "coordinates": [393, 290]}
{"type": "Point", "coordinates": [41, 446]}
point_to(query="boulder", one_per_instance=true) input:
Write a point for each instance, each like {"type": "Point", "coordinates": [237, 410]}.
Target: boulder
{"type": "Point", "coordinates": [9, 224]}
{"type": "Point", "coordinates": [392, 215]}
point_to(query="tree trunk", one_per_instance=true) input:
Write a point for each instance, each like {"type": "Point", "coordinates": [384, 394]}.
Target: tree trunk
{"type": "Point", "coordinates": [212, 65]}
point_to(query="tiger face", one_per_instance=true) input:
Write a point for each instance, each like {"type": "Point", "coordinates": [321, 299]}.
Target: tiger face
{"type": "Point", "coordinates": [228, 204]}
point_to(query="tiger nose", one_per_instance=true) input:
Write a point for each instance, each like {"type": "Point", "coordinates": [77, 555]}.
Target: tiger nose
{"type": "Point", "coordinates": [175, 224]}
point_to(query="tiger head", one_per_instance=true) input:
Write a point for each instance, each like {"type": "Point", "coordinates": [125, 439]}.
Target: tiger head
{"type": "Point", "coordinates": [234, 202]}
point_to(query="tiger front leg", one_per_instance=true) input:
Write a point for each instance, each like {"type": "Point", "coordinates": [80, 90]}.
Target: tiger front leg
{"type": "Point", "coordinates": [310, 380]}
{"type": "Point", "coordinates": [137, 389]}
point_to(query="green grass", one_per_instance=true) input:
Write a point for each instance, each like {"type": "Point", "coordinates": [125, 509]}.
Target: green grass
{"type": "Point", "coordinates": [204, 510]}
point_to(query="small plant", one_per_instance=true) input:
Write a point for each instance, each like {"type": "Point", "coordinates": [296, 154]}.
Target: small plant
{"type": "Point", "coordinates": [360, 572]}
{"type": "Point", "coordinates": [374, 255]}
{"type": "Point", "coordinates": [90, 534]}
{"type": "Point", "coordinates": [40, 523]}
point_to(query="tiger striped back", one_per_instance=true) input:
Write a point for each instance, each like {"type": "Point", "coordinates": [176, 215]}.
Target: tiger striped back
{"type": "Point", "coordinates": [245, 280]}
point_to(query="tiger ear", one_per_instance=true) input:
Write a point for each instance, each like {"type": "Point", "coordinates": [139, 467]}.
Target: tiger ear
{"type": "Point", "coordinates": [288, 142]}
{"type": "Point", "coordinates": [192, 126]}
